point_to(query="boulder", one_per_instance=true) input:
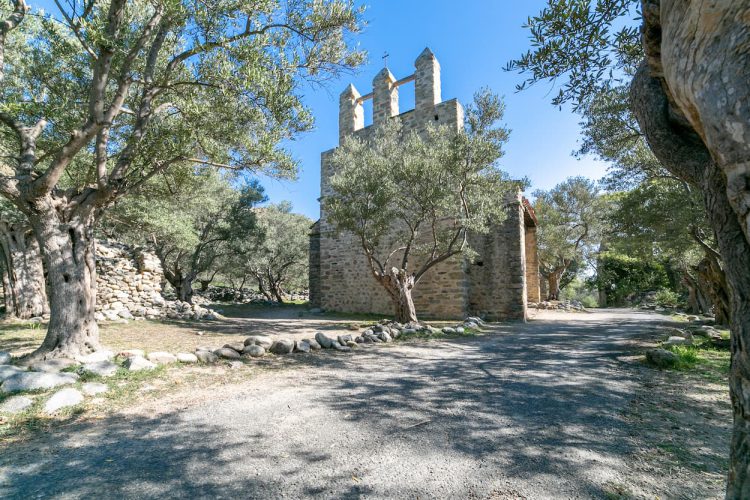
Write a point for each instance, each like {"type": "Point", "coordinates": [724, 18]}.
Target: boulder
{"type": "Point", "coordinates": [254, 351]}
{"type": "Point", "coordinates": [460, 329]}
{"type": "Point", "coordinates": [138, 363]}
{"type": "Point", "coordinates": [661, 358]}
{"type": "Point", "coordinates": [29, 381]}
{"type": "Point", "coordinates": [351, 343]}
{"type": "Point", "coordinates": [161, 357]}
{"type": "Point", "coordinates": [313, 344]}
{"type": "Point", "coordinates": [93, 388]}
{"type": "Point", "coordinates": [7, 371]}
{"type": "Point", "coordinates": [343, 339]}
{"type": "Point", "coordinates": [16, 404]}
{"type": "Point", "coordinates": [5, 358]}
{"type": "Point", "coordinates": [385, 337]}
{"type": "Point", "coordinates": [63, 399]}
{"type": "Point", "coordinates": [129, 353]}
{"type": "Point", "coordinates": [678, 341]}
{"type": "Point", "coordinates": [101, 368]}
{"type": "Point", "coordinates": [206, 357]}
{"type": "Point", "coordinates": [340, 347]}
{"type": "Point", "coordinates": [301, 346]}
{"type": "Point", "coordinates": [186, 357]}
{"type": "Point", "coordinates": [359, 340]}
{"type": "Point", "coordinates": [261, 340]}
{"type": "Point", "coordinates": [95, 356]}
{"type": "Point", "coordinates": [448, 330]}
{"type": "Point", "coordinates": [52, 365]}
{"type": "Point", "coordinates": [324, 341]}
{"type": "Point", "coordinates": [282, 346]}
{"type": "Point", "coordinates": [235, 346]}
{"type": "Point", "coordinates": [226, 353]}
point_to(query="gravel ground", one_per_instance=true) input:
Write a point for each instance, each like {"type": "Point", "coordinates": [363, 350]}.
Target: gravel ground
{"type": "Point", "coordinates": [536, 410]}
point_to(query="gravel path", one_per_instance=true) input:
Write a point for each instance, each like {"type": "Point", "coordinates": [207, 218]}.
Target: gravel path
{"type": "Point", "coordinates": [532, 410]}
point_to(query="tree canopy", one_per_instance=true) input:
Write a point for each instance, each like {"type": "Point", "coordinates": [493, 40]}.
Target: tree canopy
{"type": "Point", "coordinates": [569, 224]}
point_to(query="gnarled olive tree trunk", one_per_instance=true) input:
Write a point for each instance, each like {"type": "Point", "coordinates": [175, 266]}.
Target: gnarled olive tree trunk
{"type": "Point", "coordinates": [66, 239]}
{"type": "Point", "coordinates": [23, 272]}
{"type": "Point", "coordinates": [399, 284]}
{"type": "Point", "coordinates": [713, 283]}
{"type": "Point", "coordinates": [684, 153]}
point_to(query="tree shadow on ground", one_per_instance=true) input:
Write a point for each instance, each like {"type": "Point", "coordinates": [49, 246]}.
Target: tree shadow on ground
{"type": "Point", "coordinates": [540, 406]}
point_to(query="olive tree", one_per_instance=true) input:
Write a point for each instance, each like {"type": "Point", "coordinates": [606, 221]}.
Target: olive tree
{"type": "Point", "coordinates": [107, 94]}
{"type": "Point", "coordinates": [568, 217]}
{"type": "Point", "coordinates": [411, 200]}
{"type": "Point", "coordinates": [275, 256]}
{"type": "Point", "coordinates": [685, 62]}
{"type": "Point", "coordinates": [190, 228]}
{"type": "Point", "coordinates": [660, 213]}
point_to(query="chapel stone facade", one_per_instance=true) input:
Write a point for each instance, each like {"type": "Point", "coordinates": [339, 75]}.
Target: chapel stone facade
{"type": "Point", "coordinates": [498, 284]}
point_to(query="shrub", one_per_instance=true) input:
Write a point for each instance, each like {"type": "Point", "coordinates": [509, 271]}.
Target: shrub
{"type": "Point", "coordinates": [667, 298]}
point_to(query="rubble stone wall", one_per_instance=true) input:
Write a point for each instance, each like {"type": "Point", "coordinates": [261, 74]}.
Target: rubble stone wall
{"type": "Point", "coordinates": [130, 284]}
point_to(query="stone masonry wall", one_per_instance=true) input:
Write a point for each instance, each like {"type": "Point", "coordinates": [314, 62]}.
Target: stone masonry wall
{"type": "Point", "coordinates": [497, 275]}
{"type": "Point", "coordinates": [314, 265]}
{"type": "Point", "coordinates": [533, 293]}
{"type": "Point", "coordinates": [340, 277]}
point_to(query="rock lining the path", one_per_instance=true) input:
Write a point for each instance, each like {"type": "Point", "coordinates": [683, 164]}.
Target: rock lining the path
{"type": "Point", "coordinates": [63, 399]}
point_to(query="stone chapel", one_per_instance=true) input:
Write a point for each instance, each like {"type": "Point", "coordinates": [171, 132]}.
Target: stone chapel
{"type": "Point", "coordinates": [497, 285]}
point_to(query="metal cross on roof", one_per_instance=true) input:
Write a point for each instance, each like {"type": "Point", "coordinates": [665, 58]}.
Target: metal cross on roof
{"type": "Point", "coordinates": [385, 59]}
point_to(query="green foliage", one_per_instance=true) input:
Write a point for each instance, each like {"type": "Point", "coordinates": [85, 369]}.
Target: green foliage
{"type": "Point", "coordinates": [276, 255]}
{"type": "Point", "coordinates": [419, 195]}
{"type": "Point", "coordinates": [667, 298]}
{"type": "Point", "coordinates": [580, 290]}
{"type": "Point", "coordinates": [190, 227]}
{"type": "Point", "coordinates": [213, 83]}
{"type": "Point", "coordinates": [570, 217]}
{"type": "Point", "coordinates": [623, 277]}
{"type": "Point", "coordinates": [584, 44]}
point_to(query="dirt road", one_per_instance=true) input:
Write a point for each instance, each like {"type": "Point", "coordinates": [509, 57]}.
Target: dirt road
{"type": "Point", "coordinates": [534, 410]}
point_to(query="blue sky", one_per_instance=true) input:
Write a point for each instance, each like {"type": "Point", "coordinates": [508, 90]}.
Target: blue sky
{"type": "Point", "coordinates": [473, 40]}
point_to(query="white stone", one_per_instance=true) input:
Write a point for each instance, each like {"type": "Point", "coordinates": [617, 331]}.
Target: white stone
{"type": "Point", "coordinates": [96, 356]}
{"type": "Point", "coordinates": [162, 358]}
{"type": "Point", "coordinates": [101, 368]}
{"type": "Point", "coordinates": [5, 358]}
{"type": "Point", "coordinates": [254, 351]}
{"type": "Point", "coordinates": [138, 363]}
{"type": "Point", "coordinates": [678, 341]}
{"type": "Point", "coordinates": [261, 340]}
{"type": "Point", "coordinates": [29, 381]}
{"type": "Point", "coordinates": [186, 357]}
{"type": "Point", "coordinates": [63, 399]}
{"type": "Point", "coordinates": [129, 353]}
{"type": "Point", "coordinates": [16, 404]}
{"type": "Point", "coordinates": [52, 365]}
{"type": "Point", "coordinates": [92, 388]}
{"type": "Point", "coordinates": [7, 371]}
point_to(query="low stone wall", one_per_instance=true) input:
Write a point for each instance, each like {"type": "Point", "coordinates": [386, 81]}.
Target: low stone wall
{"type": "Point", "coordinates": [130, 282]}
